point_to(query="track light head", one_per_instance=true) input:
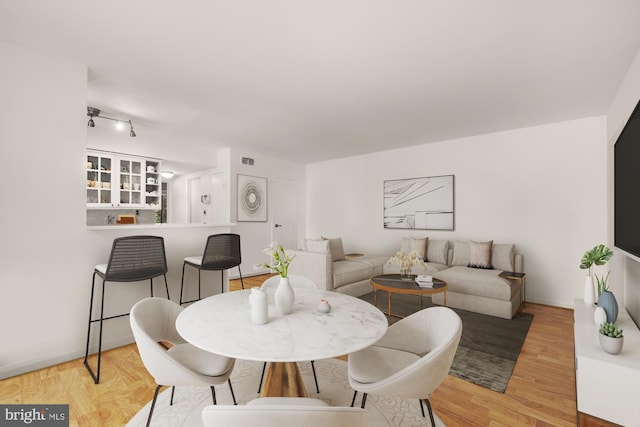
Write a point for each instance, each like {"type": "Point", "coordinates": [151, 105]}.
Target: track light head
{"type": "Point", "coordinates": [132, 134]}
{"type": "Point", "coordinates": [91, 124]}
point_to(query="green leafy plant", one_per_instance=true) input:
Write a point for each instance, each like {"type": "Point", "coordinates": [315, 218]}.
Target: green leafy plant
{"type": "Point", "coordinates": [611, 330]}
{"type": "Point", "coordinates": [599, 255]}
{"type": "Point", "coordinates": [602, 283]}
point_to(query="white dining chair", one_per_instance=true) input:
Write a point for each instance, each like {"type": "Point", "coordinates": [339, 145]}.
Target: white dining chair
{"type": "Point", "coordinates": [168, 357]}
{"type": "Point", "coordinates": [299, 282]}
{"type": "Point", "coordinates": [284, 411]}
{"type": "Point", "coordinates": [411, 360]}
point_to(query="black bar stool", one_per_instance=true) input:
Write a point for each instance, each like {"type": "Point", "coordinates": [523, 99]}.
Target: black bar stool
{"type": "Point", "coordinates": [132, 259]}
{"type": "Point", "coordinates": [221, 252]}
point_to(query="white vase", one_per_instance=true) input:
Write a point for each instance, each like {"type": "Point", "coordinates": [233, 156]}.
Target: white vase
{"type": "Point", "coordinates": [589, 292]}
{"type": "Point", "coordinates": [284, 296]}
{"type": "Point", "coordinates": [599, 316]}
{"type": "Point", "coordinates": [258, 304]}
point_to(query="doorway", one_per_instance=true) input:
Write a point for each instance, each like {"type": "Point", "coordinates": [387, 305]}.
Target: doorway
{"type": "Point", "coordinates": [284, 212]}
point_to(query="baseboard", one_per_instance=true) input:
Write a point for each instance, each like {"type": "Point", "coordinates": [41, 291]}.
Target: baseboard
{"type": "Point", "coordinates": [15, 369]}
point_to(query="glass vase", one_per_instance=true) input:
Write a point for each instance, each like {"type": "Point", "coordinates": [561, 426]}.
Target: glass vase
{"type": "Point", "coordinates": [405, 273]}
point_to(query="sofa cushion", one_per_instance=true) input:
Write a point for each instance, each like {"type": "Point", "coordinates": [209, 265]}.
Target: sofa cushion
{"type": "Point", "coordinates": [317, 245]}
{"type": "Point", "coordinates": [478, 282]}
{"type": "Point", "coordinates": [411, 244]}
{"type": "Point", "coordinates": [437, 251]}
{"type": "Point", "coordinates": [502, 256]}
{"type": "Point", "coordinates": [460, 253]}
{"type": "Point", "coordinates": [375, 262]}
{"type": "Point", "coordinates": [480, 254]}
{"type": "Point", "coordinates": [347, 271]}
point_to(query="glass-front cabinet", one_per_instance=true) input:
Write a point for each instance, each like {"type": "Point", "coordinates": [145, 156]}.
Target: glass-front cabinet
{"type": "Point", "coordinates": [130, 182]}
{"type": "Point", "coordinates": [152, 186]}
{"type": "Point", "coordinates": [119, 181]}
{"type": "Point", "coordinates": [99, 179]}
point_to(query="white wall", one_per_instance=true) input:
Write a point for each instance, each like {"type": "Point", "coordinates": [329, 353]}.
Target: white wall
{"type": "Point", "coordinates": [47, 254]}
{"type": "Point", "coordinates": [624, 269]}
{"type": "Point", "coordinates": [259, 233]}
{"type": "Point", "coordinates": [537, 187]}
{"type": "Point", "coordinates": [43, 130]}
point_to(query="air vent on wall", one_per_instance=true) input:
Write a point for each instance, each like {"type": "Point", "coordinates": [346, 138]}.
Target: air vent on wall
{"type": "Point", "coordinates": [247, 161]}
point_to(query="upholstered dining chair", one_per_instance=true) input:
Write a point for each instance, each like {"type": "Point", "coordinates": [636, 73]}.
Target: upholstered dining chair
{"type": "Point", "coordinates": [221, 252]}
{"type": "Point", "coordinates": [170, 360]}
{"type": "Point", "coordinates": [411, 360]}
{"type": "Point", "coordinates": [284, 411]}
{"type": "Point", "coordinates": [296, 282]}
{"type": "Point", "coordinates": [132, 259]}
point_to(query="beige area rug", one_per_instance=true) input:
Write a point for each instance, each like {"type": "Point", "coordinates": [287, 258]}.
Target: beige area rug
{"type": "Point", "coordinates": [188, 402]}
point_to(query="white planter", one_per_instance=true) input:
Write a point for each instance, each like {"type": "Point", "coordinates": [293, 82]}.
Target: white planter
{"type": "Point", "coordinates": [259, 307]}
{"type": "Point", "coordinates": [284, 296]}
{"type": "Point", "coordinates": [611, 345]}
{"type": "Point", "coordinates": [599, 316]}
{"type": "Point", "coordinates": [589, 293]}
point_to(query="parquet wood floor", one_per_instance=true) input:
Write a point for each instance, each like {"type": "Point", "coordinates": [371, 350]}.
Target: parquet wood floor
{"type": "Point", "coordinates": [541, 391]}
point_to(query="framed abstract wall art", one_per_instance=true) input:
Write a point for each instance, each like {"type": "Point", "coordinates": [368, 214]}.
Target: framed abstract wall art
{"type": "Point", "coordinates": [419, 203]}
{"type": "Point", "coordinates": [252, 198]}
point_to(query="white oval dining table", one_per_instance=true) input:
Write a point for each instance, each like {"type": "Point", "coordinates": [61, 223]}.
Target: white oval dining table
{"type": "Point", "coordinates": [222, 324]}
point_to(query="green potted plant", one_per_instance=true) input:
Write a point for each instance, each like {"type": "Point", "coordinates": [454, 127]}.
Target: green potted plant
{"type": "Point", "coordinates": [611, 338]}
{"type": "Point", "coordinates": [599, 255]}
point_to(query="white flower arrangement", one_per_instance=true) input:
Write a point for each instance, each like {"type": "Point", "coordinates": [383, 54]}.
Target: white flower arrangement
{"type": "Point", "coordinates": [279, 260]}
{"type": "Point", "coordinates": [406, 261]}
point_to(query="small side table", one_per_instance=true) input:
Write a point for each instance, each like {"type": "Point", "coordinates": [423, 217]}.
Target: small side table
{"type": "Point", "coordinates": [519, 277]}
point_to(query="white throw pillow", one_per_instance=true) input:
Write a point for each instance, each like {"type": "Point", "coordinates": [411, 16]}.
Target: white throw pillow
{"type": "Point", "coordinates": [460, 253]}
{"type": "Point", "coordinates": [317, 245]}
{"type": "Point", "coordinates": [410, 244]}
{"type": "Point", "coordinates": [437, 251]}
{"type": "Point", "coordinates": [336, 249]}
{"type": "Point", "coordinates": [480, 254]}
{"type": "Point", "coordinates": [502, 256]}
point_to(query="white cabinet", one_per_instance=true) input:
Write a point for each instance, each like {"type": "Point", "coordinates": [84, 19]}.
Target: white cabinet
{"type": "Point", "coordinates": [115, 181]}
{"type": "Point", "coordinates": [99, 179]}
{"type": "Point", "coordinates": [606, 385]}
{"type": "Point", "coordinates": [152, 185]}
{"type": "Point", "coordinates": [130, 178]}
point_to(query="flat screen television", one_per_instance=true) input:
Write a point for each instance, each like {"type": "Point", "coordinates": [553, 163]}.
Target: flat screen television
{"type": "Point", "coordinates": [627, 186]}
{"type": "Point", "coordinates": [627, 207]}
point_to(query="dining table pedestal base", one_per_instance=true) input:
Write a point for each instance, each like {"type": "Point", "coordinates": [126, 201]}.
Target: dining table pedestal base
{"type": "Point", "coordinates": [283, 379]}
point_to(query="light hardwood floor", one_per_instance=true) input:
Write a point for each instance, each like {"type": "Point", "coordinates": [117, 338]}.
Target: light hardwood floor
{"type": "Point", "coordinates": [541, 391]}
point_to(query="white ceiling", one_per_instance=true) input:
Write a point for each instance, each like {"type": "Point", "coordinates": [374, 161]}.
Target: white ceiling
{"type": "Point", "coordinates": [315, 80]}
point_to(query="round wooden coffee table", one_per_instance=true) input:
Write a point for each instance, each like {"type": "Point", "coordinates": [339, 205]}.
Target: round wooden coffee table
{"type": "Point", "coordinates": [393, 284]}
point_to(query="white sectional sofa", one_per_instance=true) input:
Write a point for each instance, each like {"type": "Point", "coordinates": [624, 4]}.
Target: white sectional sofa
{"type": "Point", "coordinates": [330, 270]}
{"type": "Point", "coordinates": [480, 290]}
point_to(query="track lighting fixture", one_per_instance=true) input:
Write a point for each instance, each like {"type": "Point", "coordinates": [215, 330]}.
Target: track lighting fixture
{"type": "Point", "coordinates": [94, 112]}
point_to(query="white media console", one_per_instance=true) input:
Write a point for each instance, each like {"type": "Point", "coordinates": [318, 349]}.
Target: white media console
{"type": "Point", "coordinates": [607, 386]}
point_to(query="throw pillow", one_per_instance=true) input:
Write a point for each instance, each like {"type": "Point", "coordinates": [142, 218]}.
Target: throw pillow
{"type": "Point", "coordinates": [480, 254]}
{"type": "Point", "coordinates": [317, 245]}
{"type": "Point", "coordinates": [460, 253]}
{"type": "Point", "coordinates": [437, 251]}
{"type": "Point", "coordinates": [502, 256]}
{"type": "Point", "coordinates": [335, 247]}
{"type": "Point", "coordinates": [410, 244]}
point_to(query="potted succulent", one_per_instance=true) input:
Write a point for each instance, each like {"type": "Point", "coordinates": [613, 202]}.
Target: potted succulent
{"type": "Point", "coordinates": [611, 338]}
{"type": "Point", "coordinates": [599, 255]}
